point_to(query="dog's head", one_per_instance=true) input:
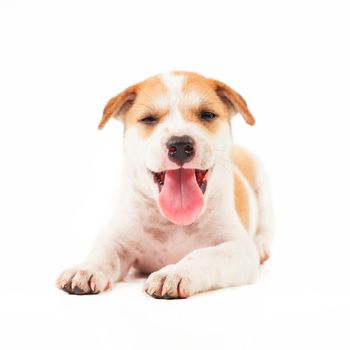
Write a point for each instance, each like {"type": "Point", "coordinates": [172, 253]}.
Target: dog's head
{"type": "Point", "coordinates": [177, 132]}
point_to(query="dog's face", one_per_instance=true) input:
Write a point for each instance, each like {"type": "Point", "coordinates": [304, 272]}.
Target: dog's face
{"type": "Point", "coordinates": [177, 132]}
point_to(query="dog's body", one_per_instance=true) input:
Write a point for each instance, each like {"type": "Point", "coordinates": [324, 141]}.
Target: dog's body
{"type": "Point", "coordinates": [195, 209]}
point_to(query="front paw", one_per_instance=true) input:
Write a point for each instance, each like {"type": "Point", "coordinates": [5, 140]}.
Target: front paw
{"type": "Point", "coordinates": [170, 282]}
{"type": "Point", "coordinates": [83, 281]}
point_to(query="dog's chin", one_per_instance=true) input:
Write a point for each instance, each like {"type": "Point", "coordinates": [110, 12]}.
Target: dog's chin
{"type": "Point", "coordinates": [181, 193]}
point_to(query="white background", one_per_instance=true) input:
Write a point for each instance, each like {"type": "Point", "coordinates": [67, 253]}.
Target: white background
{"type": "Point", "coordinates": [60, 63]}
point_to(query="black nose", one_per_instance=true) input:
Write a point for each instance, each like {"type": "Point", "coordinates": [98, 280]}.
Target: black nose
{"type": "Point", "coordinates": [180, 149]}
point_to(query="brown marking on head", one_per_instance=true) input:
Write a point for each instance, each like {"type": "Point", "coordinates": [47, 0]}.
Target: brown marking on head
{"type": "Point", "coordinates": [208, 95]}
{"type": "Point", "coordinates": [146, 99]}
{"type": "Point", "coordinates": [241, 201]}
{"type": "Point", "coordinates": [136, 103]}
{"type": "Point", "coordinates": [233, 100]}
{"type": "Point", "coordinates": [148, 104]}
{"type": "Point", "coordinates": [198, 96]}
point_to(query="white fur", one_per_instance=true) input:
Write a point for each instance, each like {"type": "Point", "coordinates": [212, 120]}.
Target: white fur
{"type": "Point", "coordinates": [213, 252]}
{"type": "Point", "coordinates": [174, 85]}
{"type": "Point", "coordinates": [192, 98]}
{"type": "Point", "coordinates": [265, 227]}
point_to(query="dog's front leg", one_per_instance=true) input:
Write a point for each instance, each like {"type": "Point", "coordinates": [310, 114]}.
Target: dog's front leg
{"type": "Point", "coordinates": [231, 263]}
{"type": "Point", "coordinates": [109, 261]}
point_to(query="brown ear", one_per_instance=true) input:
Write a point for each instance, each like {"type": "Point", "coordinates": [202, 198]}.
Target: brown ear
{"type": "Point", "coordinates": [233, 100]}
{"type": "Point", "coordinates": [118, 105]}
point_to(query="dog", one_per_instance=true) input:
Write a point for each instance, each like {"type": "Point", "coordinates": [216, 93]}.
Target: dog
{"type": "Point", "coordinates": [195, 210]}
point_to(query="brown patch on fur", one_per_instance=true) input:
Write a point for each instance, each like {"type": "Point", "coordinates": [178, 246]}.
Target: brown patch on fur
{"type": "Point", "coordinates": [215, 91]}
{"type": "Point", "coordinates": [137, 102]}
{"type": "Point", "coordinates": [233, 100]}
{"type": "Point", "coordinates": [215, 97]}
{"type": "Point", "coordinates": [241, 201]}
{"type": "Point", "coordinates": [156, 233]}
{"type": "Point", "coordinates": [118, 105]}
{"type": "Point", "coordinates": [245, 161]}
{"type": "Point", "coordinates": [148, 92]}
{"type": "Point", "coordinates": [209, 101]}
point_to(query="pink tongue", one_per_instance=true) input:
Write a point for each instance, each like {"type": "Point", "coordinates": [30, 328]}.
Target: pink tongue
{"type": "Point", "coordinates": [181, 199]}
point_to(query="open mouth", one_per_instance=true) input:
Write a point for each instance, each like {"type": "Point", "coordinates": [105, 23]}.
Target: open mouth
{"type": "Point", "coordinates": [181, 193]}
{"type": "Point", "coordinates": [201, 178]}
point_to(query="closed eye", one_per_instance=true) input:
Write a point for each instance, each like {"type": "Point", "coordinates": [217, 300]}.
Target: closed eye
{"type": "Point", "coordinates": [149, 120]}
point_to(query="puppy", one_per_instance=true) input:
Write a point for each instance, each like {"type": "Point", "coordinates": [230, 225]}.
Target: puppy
{"type": "Point", "coordinates": [194, 209]}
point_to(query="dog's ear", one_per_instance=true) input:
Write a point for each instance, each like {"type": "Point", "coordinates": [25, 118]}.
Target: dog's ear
{"type": "Point", "coordinates": [233, 100]}
{"type": "Point", "coordinates": [118, 105]}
